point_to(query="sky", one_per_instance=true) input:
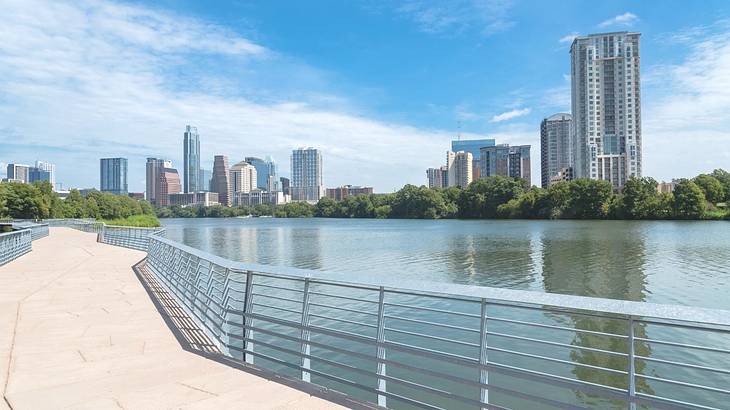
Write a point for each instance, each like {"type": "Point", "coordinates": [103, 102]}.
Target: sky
{"type": "Point", "coordinates": [380, 87]}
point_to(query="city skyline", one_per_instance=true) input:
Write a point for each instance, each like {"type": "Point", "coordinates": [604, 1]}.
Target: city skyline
{"type": "Point", "coordinates": [387, 120]}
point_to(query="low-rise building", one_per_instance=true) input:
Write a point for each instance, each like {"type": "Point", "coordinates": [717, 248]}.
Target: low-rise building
{"type": "Point", "coordinates": [340, 193]}
{"type": "Point", "coordinates": [258, 197]}
{"type": "Point", "coordinates": [565, 174]}
{"type": "Point", "coordinates": [666, 187]}
{"type": "Point", "coordinates": [193, 199]}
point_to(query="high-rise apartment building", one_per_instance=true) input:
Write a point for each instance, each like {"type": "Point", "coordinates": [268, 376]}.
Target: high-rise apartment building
{"type": "Point", "coordinates": [435, 178]}
{"type": "Point", "coordinates": [47, 170]}
{"type": "Point", "coordinates": [153, 167]}
{"type": "Point", "coordinates": [167, 184]}
{"type": "Point", "coordinates": [556, 148]}
{"type": "Point", "coordinates": [243, 177]}
{"type": "Point", "coordinates": [460, 168]}
{"type": "Point", "coordinates": [113, 175]}
{"type": "Point", "coordinates": [191, 159]}
{"type": "Point", "coordinates": [505, 160]}
{"type": "Point", "coordinates": [18, 172]}
{"type": "Point", "coordinates": [284, 184]}
{"type": "Point", "coordinates": [474, 147]}
{"type": "Point", "coordinates": [266, 177]}
{"type": "Point", "coordinates": [221, 181]}
{"type": "Point", "coordinates": [606, 107]}
{"type": "Point", "coordinates": [306, 175]}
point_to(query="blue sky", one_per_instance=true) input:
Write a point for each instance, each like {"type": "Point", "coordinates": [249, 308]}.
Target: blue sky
{"type": "Point", "coordinates": [381, 87]}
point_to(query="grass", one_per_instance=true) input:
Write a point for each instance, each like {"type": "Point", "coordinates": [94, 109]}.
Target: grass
{"type": "Point", "coordinates": [144, 221]}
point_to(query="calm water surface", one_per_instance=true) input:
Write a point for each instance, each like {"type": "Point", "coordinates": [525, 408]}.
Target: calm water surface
{"type": "Point", "coordinates": [665, 262]}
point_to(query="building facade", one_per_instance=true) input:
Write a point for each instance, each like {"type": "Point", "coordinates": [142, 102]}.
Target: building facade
{"type": "Point", "coordinates": [306, 175]}
{"type": "Point", "coordinates": [167, 185]}
{"type": "Point", "coordinates": [35, 174]}
{"type": "Point", "coordinates": [474, 147]}
{"type": "Point", "coordinates": [340, 193]}
{"type": "Point", "coordinates": [113, 175]}
{"type": "Point", "coordinates": [152, 176]}
{"type": "Point", "coordinates": [18, 172]}
{"type": "Point", "coordinates": [258, 197]}
{"type": "Point", "coordinates": [461, 171]}
{"type": "Point", "coordinates": [50, 169]}
{"type": "Point", "coordinates": [191, 159]}
{"type": "Point", "coordinates": [284, 185]}
{"type": "Point", "coordinates": [243, 177]}
{"type": "Point", "coordinates": [204, 178]}
{"type": "Point", "coordinates": [435, 178]}
{"type": "Point", "coordinates": [505, 160]}
{"type": "Point", "coordinates": [606, 107]}
{"type": "Point", "coordinates": [556, 146]}
{"type": "Point", "coordinates": [266, 173]}
{"type": "Point", "coordinates": [221, 181]}
{"type": "Point", "coordinates": [194, 199]}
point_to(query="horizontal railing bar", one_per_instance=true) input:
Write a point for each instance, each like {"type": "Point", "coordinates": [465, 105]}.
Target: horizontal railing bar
{"type": "Point", "coordinates": [342, 308]}
{"type": "Point", "coordinates": [521, 322]}
{"type": "Point", "coordinates": [688, 346]}
{"type": "Point", "coordinates": [449, 312]}
{"type": "Point", "coordinates": [553, 359]}
{"type": "Point", "coordinates": [312, 292]}
{"type": "Point", "coordinates": [277, 298]}
{"type": "Point", "coordinates": [681, 364]}
{"type": "Point", "coordinates": [691, 326]}
{"type": "Point", "coordinates": [455, 358]}
{"type": "Point", "coordinates": [277, 308]}
{"type": "Point", "coordinates": [353, 322]}
{"type": "Point", "coordinates": [425, 336]}
{"type": "Point", "coordinates": [674, 402]}
{"type": "Point", "coordinates": [685, 384]}
{"type": "Point", "coordinates": [266, 285]}
{"type": "Point", "coordinates": [425, 322]}
{"type": "Point", "coordinates": [318, 329]}
{"type": "Point", "coordinates": [565, 345]}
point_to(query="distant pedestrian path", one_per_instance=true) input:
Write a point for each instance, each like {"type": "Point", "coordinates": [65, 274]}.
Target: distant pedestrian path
{"type": "Point", "coordinates": [78, 329]}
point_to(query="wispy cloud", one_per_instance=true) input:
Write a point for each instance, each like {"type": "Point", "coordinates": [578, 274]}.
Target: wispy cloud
{"type": "Point", "coordinates": [432, 16]}
{"type": "Point", "coordinates": [86, 79]}
{"type": "Point", "coordinates": [627, 19]}
{"type": "Point", "coordinates": [505, 116]}
{"type": "Point", "coordinates": [568, 38]}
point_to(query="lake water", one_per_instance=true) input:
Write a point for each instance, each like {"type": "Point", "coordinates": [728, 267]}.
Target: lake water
{"type": "Point", "coordinates": [684, 263]}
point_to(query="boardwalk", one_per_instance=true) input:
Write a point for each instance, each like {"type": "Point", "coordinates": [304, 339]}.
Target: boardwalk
{"type": "Point", "coordinates": [79, 330]}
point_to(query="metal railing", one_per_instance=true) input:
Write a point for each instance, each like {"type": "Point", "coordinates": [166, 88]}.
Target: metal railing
{"type": "Point", "coordinates": [38, 230]}
{"type": "Point", "coordinates": [14, 244]}
{"type": "Point", "coordinates": [407, 344]}
{"type": "Point", "coordinates": [124, 236]}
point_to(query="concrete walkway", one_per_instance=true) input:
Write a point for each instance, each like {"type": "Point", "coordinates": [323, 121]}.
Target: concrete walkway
{"type": "Point", "coordinates": [78, 330]}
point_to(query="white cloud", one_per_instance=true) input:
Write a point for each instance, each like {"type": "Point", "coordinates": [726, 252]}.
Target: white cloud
{"type": "Point", "coordinates": [568, 38]}
{"type": "Point", "coordinates": [486, 16]}
{"type": "Point", "coordinates": [83, 80]}
{"type": "Point", "coordinates": [510, 115]}
{"type": "Point", "coordinates": [627, 19]}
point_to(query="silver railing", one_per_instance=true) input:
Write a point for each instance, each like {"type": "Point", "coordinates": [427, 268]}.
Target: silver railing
{"type": "Point", "coordinates": [14, 244]}
{"type": "Point", "coordinates": [124, 236]}
{"type": "Point", "coordinates": [38, 230]}
{"type": "Point", "coordinates": [415, 344]}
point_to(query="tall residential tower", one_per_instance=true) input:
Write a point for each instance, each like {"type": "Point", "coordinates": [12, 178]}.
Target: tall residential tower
{"type": "Point", "coordinates": [606, 107]}
{"type": "Point", "coordinates": [306, 175]}
{"type": "Point", "coordinates": [191, 160]}
{"type": "Point", "coordinates": [153, 168]}
{"type": "Point", "coordinates": [113, 175]}
{"type": "Point", "coordinates": [556, 147]}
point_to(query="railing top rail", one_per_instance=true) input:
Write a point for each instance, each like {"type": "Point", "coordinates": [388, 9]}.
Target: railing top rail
{"type": "Point", "coordinates": [468, 292]}
{"type": "Point", "coordinates": [133, 227]}
{"type": "Point", "coordinates": [18, 232]}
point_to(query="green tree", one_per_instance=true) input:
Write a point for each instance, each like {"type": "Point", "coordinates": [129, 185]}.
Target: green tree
{"type": "Point", "coordinates": [588, 198]}
{"type": "Point", "coordinates": [712, 188]}
{"type": "Point", "coordinates": [640, 199]}
{"type": "Point", "coordinates": [24, 201]}
{"type": "Point", "coordinates": [689, 201]}
{"type": "Point", "coordinates": [724, 178]}
{"type": "Point", "coordinates": [483, 196]}
{"type": "Point", "coordinates": [327, 208]}
{"type": "Point", "coordinates": [412, 202]}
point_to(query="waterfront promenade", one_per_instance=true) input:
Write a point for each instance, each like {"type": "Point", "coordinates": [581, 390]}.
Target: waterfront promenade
{"type": "Point", "coordinates": [79, 330]}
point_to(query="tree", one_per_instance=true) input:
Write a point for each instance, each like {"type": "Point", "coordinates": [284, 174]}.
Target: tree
{"type": "Point", "coordinates": [712, 188]}
{"type": "Point", "coordinates": [589, 198]}
{"type": "Point", "coordinates": [483, 196]}
{"type": "Point", "coordinates": [24, 201]}
{"type": "Point", "coordinates": [414, 202]}
{"type": "Point", "coordinates": [640, 199]}
{"type": "Point", "coordinates": [689, 201]}
{"type": "Point", "coordinates": [724, 178]}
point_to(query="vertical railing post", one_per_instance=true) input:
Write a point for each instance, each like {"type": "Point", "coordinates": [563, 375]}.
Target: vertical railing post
{"type": "Point", "coordinates": [305, 346]}
{"type": "Point", "coordinates": [632, 365]}
{"type": "Point", "coordinates": [483, 373]}
{"type": "Point", "coordinates": [382, 385]}
{"type": "Point", "coordinates": [247, 310]}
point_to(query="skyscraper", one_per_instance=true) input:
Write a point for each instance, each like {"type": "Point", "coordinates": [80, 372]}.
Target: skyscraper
{"type": "Point", "coordinates": [306, 175]}
{"type": "Point", "coordinates": [606, 107]}
{"type": "Point", "coordinates": [243, 177]}
{"type": "Point", "coordinates": [168, 183]}
{"type": "Point", "coordinates": [50, 169]}
{"type": "Point", "coordinates": [284, 185]}
{"type": "Point", "coordinates": [460, 169]}
{"type": "Point", "coordinates": [556, 151]}
{"type": "Point", "coordinates": [506, 160]}
{"type": "Point", "coordinates": [221, 181]}
{"type": "Point", "coordinates": [204, 180]}
{"type": "Point", "coordinates": [153, 167]}
{"type": "Point", "coordinates": [266, 177]}
{"type": "Point", "coordinates": [191, 159]}
{"type": "Point", "coordinates": [435, 178]}
{"type": "Point", "coordinates": [113, 175]}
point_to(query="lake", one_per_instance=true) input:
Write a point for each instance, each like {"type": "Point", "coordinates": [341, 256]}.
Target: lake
{"type": "Point", "coordinates": [684, 263]}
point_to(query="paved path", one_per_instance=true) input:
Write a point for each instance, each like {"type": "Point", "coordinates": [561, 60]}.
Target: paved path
{"type": "Point", "coordinates": [78, 330]}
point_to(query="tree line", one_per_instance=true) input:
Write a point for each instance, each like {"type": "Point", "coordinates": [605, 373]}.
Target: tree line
{"type": "Point", "coordinates": [702, 197]}
{"type": "Point", "coordinates": [39, 201]}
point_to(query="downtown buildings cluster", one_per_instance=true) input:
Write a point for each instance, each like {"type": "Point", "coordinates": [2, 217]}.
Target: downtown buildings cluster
{"type": "Point", "coordinates": [599, 139]}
